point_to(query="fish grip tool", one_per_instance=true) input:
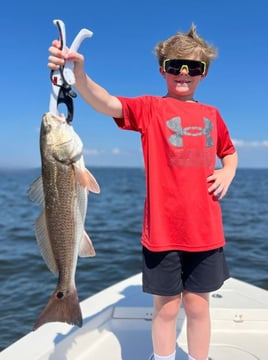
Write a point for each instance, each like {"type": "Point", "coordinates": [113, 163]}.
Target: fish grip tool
{"type": "Point", "coordinates": [63, 78]}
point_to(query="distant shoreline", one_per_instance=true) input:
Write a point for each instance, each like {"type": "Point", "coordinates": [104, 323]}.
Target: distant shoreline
{"type": "Point", "coordinates": [22, 169]}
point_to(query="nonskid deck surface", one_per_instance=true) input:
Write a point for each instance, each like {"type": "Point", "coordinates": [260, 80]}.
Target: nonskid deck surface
{"type": "Point", "coordinates": [117, 325]}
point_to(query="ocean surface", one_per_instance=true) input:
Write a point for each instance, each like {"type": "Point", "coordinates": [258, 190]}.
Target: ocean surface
{"type": "Point", "coordinates": [114, 221]}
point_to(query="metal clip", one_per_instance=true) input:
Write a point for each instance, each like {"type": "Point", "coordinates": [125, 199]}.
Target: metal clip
{"type": "Point", "coordinates": [62, 79]}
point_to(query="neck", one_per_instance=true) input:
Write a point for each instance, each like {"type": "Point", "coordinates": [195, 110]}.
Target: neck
{"type": "Point", "coordinates": [182, 98]}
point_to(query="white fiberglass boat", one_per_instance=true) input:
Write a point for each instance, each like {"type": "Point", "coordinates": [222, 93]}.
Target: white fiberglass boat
{"type": "Point", "coordinates": [117, 325]}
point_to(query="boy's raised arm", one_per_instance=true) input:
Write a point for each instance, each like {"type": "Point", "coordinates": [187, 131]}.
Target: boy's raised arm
{"type": "Point", "coordinates": [95, 95]}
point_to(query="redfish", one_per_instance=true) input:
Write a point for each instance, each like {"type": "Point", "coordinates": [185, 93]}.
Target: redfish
{"type": "Point", "coordinates": [62, 191]}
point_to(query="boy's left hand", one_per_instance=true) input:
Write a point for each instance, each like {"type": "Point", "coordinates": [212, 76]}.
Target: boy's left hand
{"type": "Point", "coordinates": [221, 180]}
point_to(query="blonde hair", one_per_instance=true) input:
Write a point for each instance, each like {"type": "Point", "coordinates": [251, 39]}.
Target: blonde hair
{"type": "Point", "coordinates": [185, 45]}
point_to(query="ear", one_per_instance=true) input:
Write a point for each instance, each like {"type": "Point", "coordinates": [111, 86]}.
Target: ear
{"type": "Point", "coordinates": [162, 72]}
{"type": "Point", "coordinates": [204, 75]}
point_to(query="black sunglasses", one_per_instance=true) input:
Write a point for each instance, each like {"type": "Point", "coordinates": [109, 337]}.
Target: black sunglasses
{"type": "Point", "coordinates": [193, 67]}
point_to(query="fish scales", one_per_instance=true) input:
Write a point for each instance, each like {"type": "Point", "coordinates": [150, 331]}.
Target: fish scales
{"type": "Point", "coordinates": [60, 200]}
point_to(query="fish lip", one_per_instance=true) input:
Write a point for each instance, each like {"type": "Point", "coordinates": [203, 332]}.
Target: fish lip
{"type": "Point", "coordinates": [59, 118]}
{"type": "Point", "coordinates": [48, 118]}
{"type": "Point", "coordinates": [64, 143]}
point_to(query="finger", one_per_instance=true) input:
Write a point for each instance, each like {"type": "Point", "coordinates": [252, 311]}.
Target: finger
{"type": "Point", "coordinates": [56, 43]}
{"type": "Point", "coordinates": [56, 60]}
{"type": "Point", "coordinates": [54, 51]}
{"type": "Point", "coordinates": [224, 191]}
{"type": "Point", "coordinates": [221, 194]}
{"type": "Point", "coordinates": [211, 178]}
{"type": "Point", "coordinates": [53, 66]}
{"type": "Point", "coordinates": [212, 188]}
{"type": "Point", "coordinates": [218, 191]}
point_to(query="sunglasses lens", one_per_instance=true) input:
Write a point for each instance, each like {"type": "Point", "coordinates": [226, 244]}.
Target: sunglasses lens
{"type": "Point", "coordinates": [175, 66]}
{"type": "Point", "coordinates": [196, 69]}
{"type": "Point", "coordinates": [173, 71]}
{"type": "Point", "coordinates": [172, 67]}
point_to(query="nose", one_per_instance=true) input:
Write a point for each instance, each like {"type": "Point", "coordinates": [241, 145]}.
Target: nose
{"type": "Point", "coordinates": [184, 69]}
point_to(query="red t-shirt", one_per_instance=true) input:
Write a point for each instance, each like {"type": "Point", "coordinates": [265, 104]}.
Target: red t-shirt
{"type": "Point", "coordinates": [180, 142]}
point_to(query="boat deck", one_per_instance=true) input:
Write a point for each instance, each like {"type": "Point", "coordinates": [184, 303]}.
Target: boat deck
{"type": "Point", "coordinates": [117, 326]}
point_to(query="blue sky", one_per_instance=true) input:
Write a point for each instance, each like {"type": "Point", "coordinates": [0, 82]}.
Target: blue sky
{"type": "Point", "coordinates": [120, 57]}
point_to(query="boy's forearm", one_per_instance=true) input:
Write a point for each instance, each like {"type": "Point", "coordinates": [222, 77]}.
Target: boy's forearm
{"type": "Point", "coordinates": [230, 162]}
{"type": "Point", "coordinates": [97, 97]}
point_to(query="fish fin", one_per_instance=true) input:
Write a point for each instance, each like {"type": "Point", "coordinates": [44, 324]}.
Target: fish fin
{"type": "Point", "coordinates": [35, 192]}
{"type": "Point", "coordinates": [44, 244]}
{"type": "Point", "coordinates": [86, 179]}
{"type": "Point", "coordinates": [62, 306]}
{"type": "Point", "coordinates": [86, 247]}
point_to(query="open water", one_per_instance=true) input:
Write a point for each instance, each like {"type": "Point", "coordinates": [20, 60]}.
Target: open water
{"type": "Point", "coordinates": [114, 223]}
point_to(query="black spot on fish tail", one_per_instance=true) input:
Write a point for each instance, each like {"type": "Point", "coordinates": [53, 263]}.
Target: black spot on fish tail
{"type": "Point", "coordinates": [63, 307]}
{"type": "Point", "coordinates": [60, 295]}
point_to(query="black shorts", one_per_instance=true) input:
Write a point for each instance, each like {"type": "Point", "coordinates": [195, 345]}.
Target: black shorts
{"type": "Point", "coordinates": [169, 273]}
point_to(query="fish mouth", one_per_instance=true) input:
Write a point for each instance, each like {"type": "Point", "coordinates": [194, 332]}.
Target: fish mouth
{"type": "Point", "coordinates": [51, 120]}
{"type": "Point", "coordinates": [64, 143]}
{"type": "Point", "coordinates": [54, 117]}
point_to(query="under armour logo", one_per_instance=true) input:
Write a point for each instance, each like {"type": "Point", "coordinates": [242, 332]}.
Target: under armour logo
{"type": "Point", "coordinates": [177, 140]}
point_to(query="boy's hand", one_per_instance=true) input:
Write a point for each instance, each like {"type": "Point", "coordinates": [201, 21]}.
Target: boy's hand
{"type": "Point", "coordinates": [58, 57]}
{"type": "Point", "coordinates": [221, 180]}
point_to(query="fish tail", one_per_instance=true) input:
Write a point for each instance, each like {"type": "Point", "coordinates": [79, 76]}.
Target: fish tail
{"type": "Point", "coordinates": [62, 306]}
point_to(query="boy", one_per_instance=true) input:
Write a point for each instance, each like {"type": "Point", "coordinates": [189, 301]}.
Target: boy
{"type": "Point", "coordinates": [182, 237]}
